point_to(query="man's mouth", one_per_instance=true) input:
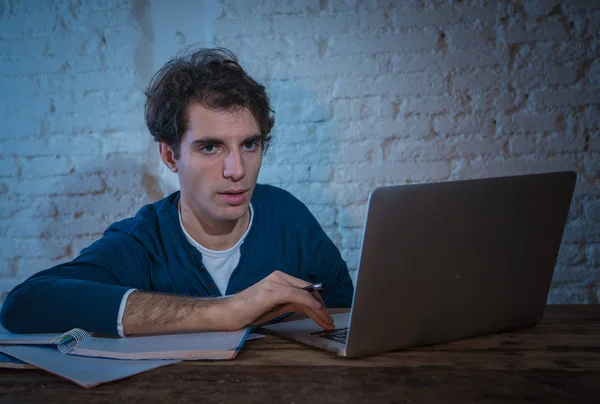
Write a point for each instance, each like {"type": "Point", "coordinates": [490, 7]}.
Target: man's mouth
{"type": "Point", "coordinates": [234, 197]}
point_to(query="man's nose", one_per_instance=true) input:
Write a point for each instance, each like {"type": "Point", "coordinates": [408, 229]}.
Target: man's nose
{"type": "Point", "coordinates": [234, 166]}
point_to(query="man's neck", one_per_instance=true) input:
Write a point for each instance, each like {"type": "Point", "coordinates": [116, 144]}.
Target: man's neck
{"type": "Point", "coordinates": [216, 236]}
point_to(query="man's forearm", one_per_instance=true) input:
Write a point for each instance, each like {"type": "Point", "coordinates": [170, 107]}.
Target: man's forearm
{"type": "Point", "coordinates": [154, 313]}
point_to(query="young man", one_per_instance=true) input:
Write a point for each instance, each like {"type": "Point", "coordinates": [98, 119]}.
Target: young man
{"type": "Point", "coordinates": [168, 268]}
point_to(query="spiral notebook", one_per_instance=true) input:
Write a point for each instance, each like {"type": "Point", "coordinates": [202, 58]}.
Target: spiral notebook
{"type": "Point", "coordinates": [191, 346]}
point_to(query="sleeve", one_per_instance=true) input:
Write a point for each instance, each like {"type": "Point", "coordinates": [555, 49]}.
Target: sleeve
{"type": "Point", "coordinates": [327, 265]}
{"type": "Point", "coordinates": [85, 293]}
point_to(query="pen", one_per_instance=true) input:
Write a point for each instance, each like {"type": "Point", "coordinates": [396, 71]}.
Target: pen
{"type": "Point", "coordinates": [315, 287]}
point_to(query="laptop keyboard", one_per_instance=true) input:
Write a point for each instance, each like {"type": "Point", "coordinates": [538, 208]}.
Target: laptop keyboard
{"type": "Point", "coordinates": [337, 335]}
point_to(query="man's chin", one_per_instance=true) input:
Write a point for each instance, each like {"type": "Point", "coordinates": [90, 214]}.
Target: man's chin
{"type": "Point", "coordinates": [234, 212]}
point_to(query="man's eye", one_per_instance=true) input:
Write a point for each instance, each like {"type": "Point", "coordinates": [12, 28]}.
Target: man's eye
{"type": "Point", "coordinates": [250, 146]}
{"type": "Point", "coordinates": [208, 148]}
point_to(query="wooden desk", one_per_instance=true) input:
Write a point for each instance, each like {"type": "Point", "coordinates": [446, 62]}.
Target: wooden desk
{"type": "Point", "coordinates": [555, 361]}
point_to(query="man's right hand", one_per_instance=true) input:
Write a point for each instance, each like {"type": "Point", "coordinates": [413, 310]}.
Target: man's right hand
{"type": "Point", "coordinates": [276, 294]}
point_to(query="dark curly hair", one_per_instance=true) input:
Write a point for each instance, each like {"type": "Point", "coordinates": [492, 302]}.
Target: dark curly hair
{"type": "Point", "coordinates": [212, 77]}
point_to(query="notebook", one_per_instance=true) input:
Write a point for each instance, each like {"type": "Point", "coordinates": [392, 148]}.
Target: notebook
{"type": "Point", "coordinates": [191, 346]}
{"type": "Point", "coordinates": [450, 260]}
{"type": "Point", "coordinates": [9, 362]}
{"type": "Point", "coordinates": [84, 371]}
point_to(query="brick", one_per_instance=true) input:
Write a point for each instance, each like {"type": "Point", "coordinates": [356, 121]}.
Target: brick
{"type": "Point", "coordinates": [534, 78]}
{"type": "Point", "coordinates": [8, 268]}
{"type": "Point", "coordinates": [320, 173]}
{"type": "Point", "coordinates": [429, 105]}
{"type": "Point", "coordinates": [480, 80]}
{"type": "Point", "coordinates": [469, 147]}
{"type": "Point", "coordinates": [405, 127]}
{"type": "Point", "coordinates": [22, 47]}
{"type": "Point", "coordinates": [581, 232]}
{"type": "Point", "coordinates": [310, 194]}
{"type": "Point", "coordinates": [302, 112]}
{"type": "Point", "coordinates": [352, 216]}
{"type": "Point", "coordinates": [593, 255]}
{"type": "Point", "coordinates": [352, 239]}
{"type": "Point", "coordinates": [234, 28]}
{"type": "Point", "coordinates": [591, 165]}
{"type": "Point", "coordinates": [130, 142]}
{"type": "Point", "coordinates": [7, 284]}
{"type": "Point", "coordinates": [105, 80]}
{"type": "Point", "coordinates": [259, 8]}
{"type": "Point", "coordinates": [9, 167]}
{"type": "Point", "coordinates": [60, 186]}
{"type": "Point", "coordinates": [18, 88]}
{"type": "Point", "coordinates": [362, 108]}
{"type": "Point", "coordinates": [463, 124]}
{"type": "Point", "coordinates": [569, 295]}
{"type": "Point", "coordinates": [439, 61]}
{"type": "Point", "coordinates": [581, 5]}
{"type": "Point", "coordinates": [495, 167]}
{"type": "Point", "coordinates": [27, 65]}
{"type": "Point", "coordinates": [403, 151]}
{"type": "Point", "coordinates": [35, 24]}
{"type": "Point", "coordinates": [79, 243]}
{"type": "Point", "coordinates": [353, 44]}
{"type": "Point", "coordinates": [570, 97]}
{"type": "Point", "coordinates": [28, 267]}
{"type": "Point", "coordinates": [571, 255]}
{"type": "Point", "coordinates": [302, 67]}
{"type": "Point", "coordinates": [565, 276]}
{"type": "Point", "coordinates": [399, 173]}
{"type": "Point", "coordinates": [51, 248]}
{"type": "Point", "coordinates": [42, 167]}
{"type": "Point", "coordinates": [330, 24]}
{"type": "Point", "coordinates": [461, 37]}
{"type": "Point", "coordinates": [102, 19]}
{"type": "Point", "coordinates": [17, 126]}
{"type": "Point", "coordinates": [60, 227]}
{"type": "Point", "coordinates": [267, 46]}
{"type": "Point", "coordinates": [324, 214]}
{"type": "Point", "coordinates": [365, 151]}
{"type": "Point", "coordinates": [93, 205]}
{"type": "Point", "coordinates": [546, 31]}
{"type": "Point", "coordinates": [351, 257]}
{"type": "Point", "coordinates": [343, 5]}
{"type": "Point", "coordinates": [540, 7]}
{"type": "Point", "coordinates": [594, 142]}
{"type": "Point", "coordinates": [396, 85]}
{"type": "Point", "coordinates": [559, 75]}
{"type": "Point", "coordinates": [592, 211]}
{"type": "Point", "coordinates": [531, 123]}
{"type": "Point", "coordinates": [54, 144]}
{"type": "Point", "coordinates": [283, 174]}
{"type": "Point", "coordinates": [440, 17]}
{"type": "Point", "coordinates": [353, 193]}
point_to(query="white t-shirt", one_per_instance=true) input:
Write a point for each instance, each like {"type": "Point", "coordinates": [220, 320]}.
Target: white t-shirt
{"type": "Point", "coordinates": [220, 264]}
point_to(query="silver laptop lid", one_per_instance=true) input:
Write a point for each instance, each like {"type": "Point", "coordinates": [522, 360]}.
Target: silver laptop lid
{"type": "Point", "coordinates": [443, 261]}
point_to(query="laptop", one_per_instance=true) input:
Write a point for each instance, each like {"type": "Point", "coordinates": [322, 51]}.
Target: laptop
{"type": "Point", "coordinates": [446, 261]}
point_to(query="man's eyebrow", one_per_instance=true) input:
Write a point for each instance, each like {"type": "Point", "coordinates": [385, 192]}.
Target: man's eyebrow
{"type": "Point", "coordinates": [252, 138]}
{"type": "Point", "coordinates": [217, 141]}
{"type": "Point", "coordinates": [207, 140]}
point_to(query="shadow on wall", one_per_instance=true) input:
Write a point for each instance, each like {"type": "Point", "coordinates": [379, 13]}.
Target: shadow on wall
{"type": "Point", "coordinates": [79, 207]}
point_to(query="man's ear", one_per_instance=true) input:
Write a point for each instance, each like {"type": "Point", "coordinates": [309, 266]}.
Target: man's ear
{"type": "Point", "coordinates": [168, 156]}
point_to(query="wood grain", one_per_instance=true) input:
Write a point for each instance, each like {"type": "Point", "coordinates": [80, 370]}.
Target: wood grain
{"type": "Point", "coordinates": [556, 361]}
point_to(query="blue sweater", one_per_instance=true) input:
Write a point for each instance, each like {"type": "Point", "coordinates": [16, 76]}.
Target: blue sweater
{"type": "Point", "coordinates": [150, 252]}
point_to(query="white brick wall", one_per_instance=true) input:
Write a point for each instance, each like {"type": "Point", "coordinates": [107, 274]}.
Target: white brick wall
{"type": "Point", "coordinates": [366, 93]}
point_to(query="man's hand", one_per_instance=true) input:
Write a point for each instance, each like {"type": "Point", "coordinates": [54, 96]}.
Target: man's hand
{"type": "Point", "coordinates": [278, 293]}
{"type": "Point", "coordinates": [155, 313]}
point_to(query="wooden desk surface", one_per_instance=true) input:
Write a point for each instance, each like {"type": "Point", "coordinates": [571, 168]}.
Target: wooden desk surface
{"type": "Point", "coordinates": [556, 361]}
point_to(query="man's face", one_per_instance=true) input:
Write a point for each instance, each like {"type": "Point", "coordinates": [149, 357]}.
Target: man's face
{"type": "Point", "coordinates": [219, 162]}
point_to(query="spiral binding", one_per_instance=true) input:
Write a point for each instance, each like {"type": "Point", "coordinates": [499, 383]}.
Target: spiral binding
{"type": "Point", "coordinates": [70, 340]}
